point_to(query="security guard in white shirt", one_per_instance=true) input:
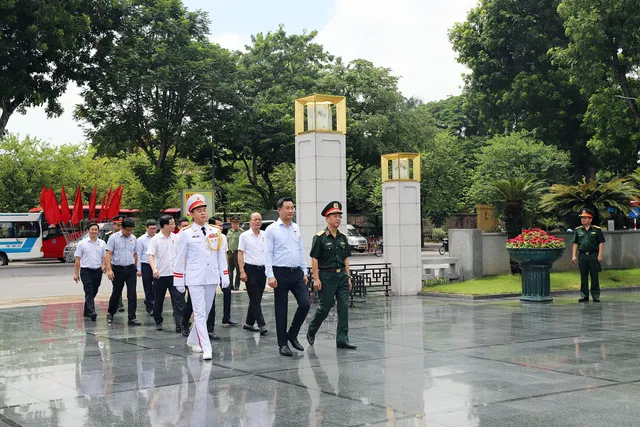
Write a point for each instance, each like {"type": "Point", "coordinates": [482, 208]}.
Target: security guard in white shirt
{"type": "Point", "coordinates": [201, 265]}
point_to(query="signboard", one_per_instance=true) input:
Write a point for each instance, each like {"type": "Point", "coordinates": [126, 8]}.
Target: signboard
{"type": "Point", "coordinates": [185, 194]}
{"type": "Point", "coordinates": [634, 213]}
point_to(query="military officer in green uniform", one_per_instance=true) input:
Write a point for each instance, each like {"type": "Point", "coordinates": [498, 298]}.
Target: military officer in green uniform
{"type": "Point", "coordinates": [330, 265]}
{"type": "Point", "coordinates": [588, 244]}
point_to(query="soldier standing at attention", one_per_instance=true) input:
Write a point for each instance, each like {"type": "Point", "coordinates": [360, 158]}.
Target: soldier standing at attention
{"type": "Point", "coordinates": [121, 261]}
{"type": "Point", "coordinates": [588, 244]}
{"type": "Point", "coordinates": [233, 238]}
{"type": "Point", "coordinates": [330, 254]}
{"type": "Point", "coordinates": [201, 265]}
{"type": "Point", "coordinates": [144, 269]}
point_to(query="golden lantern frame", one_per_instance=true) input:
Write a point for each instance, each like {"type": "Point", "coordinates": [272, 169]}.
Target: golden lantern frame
{"type": "Point", "coordinates": [340, 104]}
{"type": "Point", "coordinates": [412, 161]}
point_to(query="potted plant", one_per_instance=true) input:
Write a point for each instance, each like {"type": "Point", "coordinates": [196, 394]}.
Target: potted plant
{"type": "Point", "coordinates": [535, 251]}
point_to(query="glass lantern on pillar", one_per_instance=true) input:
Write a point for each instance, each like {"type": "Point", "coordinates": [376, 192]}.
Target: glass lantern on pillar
{"type": "Point", "coordinates": [321, 113]}
{"type": "Point", "coordinates": [400, 167]}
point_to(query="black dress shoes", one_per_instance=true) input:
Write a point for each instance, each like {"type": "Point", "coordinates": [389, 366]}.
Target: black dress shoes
{"type": "Point", "coordinates": [583, 300]}
{"type": "Point", "coordinates": [285, 351]}
{"type": "Point", "coordinates": [178, 329]}
{"type": "Point", "coordinates": [121, 309]}
{"type": "Point", "coordinates": [134, 322]}
{"type": "Point", "coordinates": [229, 323]}
{"type": "Point", "coordinates": [185, 331]}
{"type": "Point", "coordinates": [109, 318]}
{"type": "Point", "coordinates": [311, 338]}
{"type": "Point", "coordinates": [346, 346]}
{"type": "Point", "coordinates": [213, 336]}
{"type": "Point", "coordinates": [250, 328]}
{"type": "Point", "coordinates": [158, 326]}
{"type": "Point", "coordinates": [295, 343]}
{"type": "Point", "coordinates": [596, 300]}
{"type": "Point", "coordinates": [263, 331]}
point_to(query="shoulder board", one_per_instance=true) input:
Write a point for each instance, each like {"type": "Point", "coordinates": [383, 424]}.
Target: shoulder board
{"type": "Point", "coordinates": [320, 233]}
{"type": "Point", "coordinates": [595, 226]}
{"type": "Point", "coordinates": [185, 227]}
{"type": "Point", "coordinates": [579, 227]}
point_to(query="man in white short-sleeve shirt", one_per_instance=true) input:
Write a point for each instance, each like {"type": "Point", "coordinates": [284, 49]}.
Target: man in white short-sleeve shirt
{"type": "Point", "coordinates": [90, 264]}
{"type": "Point", "coordinates": [252, 272]}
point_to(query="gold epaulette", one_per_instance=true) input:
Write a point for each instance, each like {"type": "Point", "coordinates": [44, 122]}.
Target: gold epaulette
{"type": "Point", "coordinates": [595, 226]}
{"type": "Point", "coordinates": [580, 226]}
{"type": "Point", "coordinates": [185, 227]}
{"type": "Point", "coordinates": [320, 233]}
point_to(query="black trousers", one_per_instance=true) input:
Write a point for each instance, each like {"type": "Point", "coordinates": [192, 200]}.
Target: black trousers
{"type": "Point", "coordinates": [256, 281]}
{"type": "Point", "coordinates": [147, 284]}
{"type": "Point", "coordinates": [234, 269]}
{"type": "Point", "coordinates": [188, 309]}
{"type": "Point", "coordinates": [160, 287]}
{"type": "Point", "coordinates": [226, 309]}
{"type": "Point", "coordinates": [124, 276]}
{"type": "Point", "coordinates": [289, 279]}
{"type": "Point", "coordinates": [91, 279]}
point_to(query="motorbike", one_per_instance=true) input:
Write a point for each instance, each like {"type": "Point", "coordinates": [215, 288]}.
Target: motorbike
{"type": "Point", "coordinates": [445, 246]}
{"type": "Point", "coordinates": [379, 249]}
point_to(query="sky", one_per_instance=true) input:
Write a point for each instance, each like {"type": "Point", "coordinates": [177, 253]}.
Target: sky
{"type": "Point", "coordinates": [407, 36]}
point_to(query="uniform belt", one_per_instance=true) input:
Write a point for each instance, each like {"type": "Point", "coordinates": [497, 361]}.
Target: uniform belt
{"type": "Point", "coordinates": [586, 252]}
{"type": "Point", "coordinates": [292, 269]}
{"type": "Point", "coordinates": [253, 265]}
{"type": "Point", "coordinates": [333, 270]}
{"type": "Point", "coordinates": [122, 266]}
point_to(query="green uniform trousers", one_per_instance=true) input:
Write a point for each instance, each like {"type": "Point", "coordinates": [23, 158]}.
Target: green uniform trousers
{"type": "Point", "coordinates": [588, 264]}
{"type": "Point", "coordinates": [334, 285]}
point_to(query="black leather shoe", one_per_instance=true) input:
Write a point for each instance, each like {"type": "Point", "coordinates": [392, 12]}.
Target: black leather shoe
{"type": "Point", "coordinates": [596, 300]}
{"type": "Point", "coordinates": [295, 343]}
{"type": "Point", "coordinates": [229, 323]}
{"type": "Point", "coordinates": [121, 309]}
{"type": "Point", "coordinates": [87, 316]}
{"type": "Point", "coordinates": [213, 336]}
{"type": "Point", "coordinates": [178, 329]}
{"type": "Point", "coordinates": [109, 318]}
{"type": "Point", "coordinates": [583, 300]}
{"type": "Point", "coordinates": [285, 351]}
{"type": "Point", "coordinates": [158, 326]}
{"type": "Point", "coordinates": [93, 317]}
{"type": "Point", "coordinates": [346, 346]}
{"type": "Point", "coordinates": [311, 338]}
{"type": "Point", "coordinates": [185, 331]}
{"type": "Point", "coordinates": [250, 328]}
{"type": "Point", "coordinates": [134, 322]}
{"type": "Point", "coordinates": [263, 331]}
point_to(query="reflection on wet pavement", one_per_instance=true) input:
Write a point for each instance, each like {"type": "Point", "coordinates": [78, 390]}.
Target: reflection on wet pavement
{"type": "Point", "coordinates": [419, 363]}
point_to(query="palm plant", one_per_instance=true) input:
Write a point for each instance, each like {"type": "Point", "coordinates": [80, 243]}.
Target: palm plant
{"type": "Point", "coordinates": [512, 193]}
{"type": "Point", "coordinates": [566, 200]}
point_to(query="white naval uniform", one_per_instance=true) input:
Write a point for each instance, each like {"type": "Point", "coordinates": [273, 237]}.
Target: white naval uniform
{"type": "Point", "coordinates": [201, 265]}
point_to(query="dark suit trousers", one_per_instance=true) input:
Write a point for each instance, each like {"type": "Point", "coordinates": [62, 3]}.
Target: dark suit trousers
{"type": "Point", "coordinates": [90, 282]}
{"type": "Point", "coordinates": [289, 279]}
{"type": "Point", "coordinates": [124, 276]}
{"type": "Point", "coordinates": [147, 284]}
{"type": "Point", "coordinates": [226, 307]}
{"type": "Point", "coordinates": [160, 287]}
{"type": "Point", "coordinates": [256, 281]}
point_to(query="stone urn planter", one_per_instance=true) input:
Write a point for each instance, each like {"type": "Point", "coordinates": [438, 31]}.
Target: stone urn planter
{"type": "Point", "coordinates": [536, 266]}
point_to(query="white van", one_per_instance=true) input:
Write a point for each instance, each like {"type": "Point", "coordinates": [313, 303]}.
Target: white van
{"type": "Point", "coordinates": [20, 236]}
{"type": "Point", "coordinates": [356, 241]}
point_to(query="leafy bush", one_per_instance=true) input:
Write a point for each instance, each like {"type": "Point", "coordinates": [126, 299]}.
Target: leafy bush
{"type": "Point", "coordinates": [438, 234]}
{"type": "Point", "coordinates": [435, 282]}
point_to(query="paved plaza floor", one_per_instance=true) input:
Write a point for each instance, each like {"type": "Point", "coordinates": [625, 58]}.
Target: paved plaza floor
{"type": "Point", "coordinates": [419, 363]}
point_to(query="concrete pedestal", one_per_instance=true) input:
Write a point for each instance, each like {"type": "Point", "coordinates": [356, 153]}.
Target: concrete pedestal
{"type": "Point", "coordinates": [321, 177]}
{"type": "Point", "coordinates": [401, 233]}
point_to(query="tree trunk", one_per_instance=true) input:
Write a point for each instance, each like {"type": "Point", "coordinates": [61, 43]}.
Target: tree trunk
{"type": "Point", "coordinates": [513, 223]}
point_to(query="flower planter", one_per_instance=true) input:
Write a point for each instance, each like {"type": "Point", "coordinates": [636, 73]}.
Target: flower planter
{"type": "Point", "coordinates": [536, 266]}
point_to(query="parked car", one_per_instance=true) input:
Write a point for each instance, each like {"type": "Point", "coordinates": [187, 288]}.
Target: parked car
{"type": "Point", "coordinates": [356, 241]}
{"type": "Point", "coordinates": [70, 249]}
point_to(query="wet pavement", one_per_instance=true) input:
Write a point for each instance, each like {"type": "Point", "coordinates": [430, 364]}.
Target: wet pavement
{"type": "Point", "coordinates": [419, 363]}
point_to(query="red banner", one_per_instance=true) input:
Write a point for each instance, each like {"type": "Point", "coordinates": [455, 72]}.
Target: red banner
{"type": "Point", "coordinates": [65, 213]}
{"type": "Point", "coordinates": [92, 204]}
{"type": "Point", "coordinates": [78, 211]}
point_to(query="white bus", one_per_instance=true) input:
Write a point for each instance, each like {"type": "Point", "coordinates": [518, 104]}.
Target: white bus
{"type": "Point", "coordinates": [20, 236]}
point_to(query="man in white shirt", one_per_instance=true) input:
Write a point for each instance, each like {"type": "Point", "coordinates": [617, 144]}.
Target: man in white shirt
{"type": "Point", "coordinates": [252, 272]}
{"type": "Point", "coordinates": [144, 269]}
{"type": "Point", "coordinates": [162, 251]}
{"type": "Point", "coordinates": [201, 265]}
{"type": "Point", "coordinates": [90, 264]}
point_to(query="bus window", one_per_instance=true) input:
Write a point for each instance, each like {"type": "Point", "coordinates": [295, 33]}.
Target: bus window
{"type": "Point", "coordinates": [6, 230]}
{"type": "Point", "coordinates": [27, 229]}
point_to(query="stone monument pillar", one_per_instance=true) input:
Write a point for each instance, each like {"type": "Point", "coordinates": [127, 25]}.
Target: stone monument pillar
{"type": "Point", "coordinates": [321, 161]}
{"type": "Point", "coordinates": [401, 221]}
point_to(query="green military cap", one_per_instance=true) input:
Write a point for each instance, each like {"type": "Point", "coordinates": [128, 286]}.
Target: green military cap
{"type": "Point", "coordinates": [586, 212]}
{"type": "Point", "coordinates": [117, 219]}
{"type": "Point", "coordinates": [331, 208]}
{"type": "Point", "coordinates": [235, 218]}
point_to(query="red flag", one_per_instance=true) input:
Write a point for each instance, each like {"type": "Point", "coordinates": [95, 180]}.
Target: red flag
{"type": "Point", "coordinates": [78, 211]}
{"type": "Point", "coordinates": [52, 207]}
{"type": "Point", "coordinates": [103, 209]}
{"type": "Point", "coordinates": [114, 206]}
{"type": "Point", "coordinates": [106, 206]}
{"type": "Point", "coordinates": [43, 201]}
{"type": "Point", "coordinates": [92, 204]}
{"type": "Point", "coordinates": [65, 213]}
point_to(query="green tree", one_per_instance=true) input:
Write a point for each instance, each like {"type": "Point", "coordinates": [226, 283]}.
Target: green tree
{"type": "Point", "coordinates": [160, 88]}
{"type": "Point", "coordinates": [46, 44]}
{"type": "Point", "coordinates": [514, 84]}
{"type": "Point", "coordinates": [513, 156]}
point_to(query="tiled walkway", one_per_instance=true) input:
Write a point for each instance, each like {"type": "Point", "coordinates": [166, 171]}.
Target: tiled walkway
{"type": "Point", "coordinates": [418, 363]}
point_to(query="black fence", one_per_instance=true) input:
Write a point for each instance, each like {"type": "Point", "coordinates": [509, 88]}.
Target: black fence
{"type": "Point", "coordinates": [365, 279]}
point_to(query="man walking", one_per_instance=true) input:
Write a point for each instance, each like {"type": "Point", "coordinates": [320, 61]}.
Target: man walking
{"type": "Point", "coordinates": [233, 238]}
{"type": "Point", "coordinates": [330, 254]}
{"type": "Point", "coordinates": [117, 226]}
{"type": "Point", "coordinates": [588, 240]}
{"type": "Point", "coordinates": [226, 292]}
{"type": "Point", "coordinates": [90, 264]}
{"type": "Point", "coordinates": [201, 265]}
{"type": "Point", "coordinates": [121, 261]}
{"type": "Point", "coordinates": [252, 272]}
{"type": "Point", "coordinates": [286, 270]}
{"type": "Point", "coordinates": [163, 251]}
{"type": "Point", "coordinates": [144, 269]}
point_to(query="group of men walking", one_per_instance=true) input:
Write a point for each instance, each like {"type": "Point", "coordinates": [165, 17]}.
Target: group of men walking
{"type": "Point", "coordinates": [193, 262]}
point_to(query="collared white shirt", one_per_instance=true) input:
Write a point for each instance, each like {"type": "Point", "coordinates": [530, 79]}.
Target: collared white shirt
{"type": "Point", "coordinates": [165, 252]}
{"type": "Point", "coordinates": [91, 253]}
{"type": "Point", "coordinates": [252, 247]}
{"type": "Point", "coordinates": [122, 249]}
{"type": "Point", "coordinates": [283, 247]}
{"type": "Point", "coordinates": [142, 246]}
